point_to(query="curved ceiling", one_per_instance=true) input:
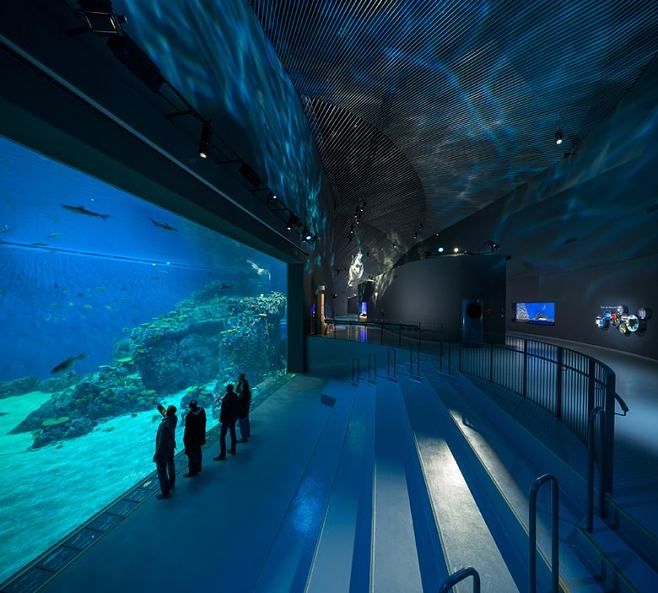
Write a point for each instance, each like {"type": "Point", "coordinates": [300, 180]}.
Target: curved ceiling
{"type": "Point", "coordinates": [466, 95]}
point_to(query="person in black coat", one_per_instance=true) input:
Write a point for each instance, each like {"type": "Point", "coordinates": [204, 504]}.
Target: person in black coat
{"type": "Point", "coordinates": [227, 416]}
{"type": "Point", "coordinates": [194, 438]}
{"type": "Point", "coordinates": [165, 444]}
{"type": "Point", "coordinates": [244, 403]}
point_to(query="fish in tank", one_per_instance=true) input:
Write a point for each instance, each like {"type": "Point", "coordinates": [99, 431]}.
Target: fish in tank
{"type": "Point", "coordinates": [108, 306]}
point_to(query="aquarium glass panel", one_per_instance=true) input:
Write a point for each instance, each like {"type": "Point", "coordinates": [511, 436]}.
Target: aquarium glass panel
{"type": "Point", "coordinates": [110, 305]}
{"type": "Point", "coordinates": [539, 313]}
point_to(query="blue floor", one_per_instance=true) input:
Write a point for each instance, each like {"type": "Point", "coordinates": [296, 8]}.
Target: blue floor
{"type": "Point", "coordinates": [376, 487]}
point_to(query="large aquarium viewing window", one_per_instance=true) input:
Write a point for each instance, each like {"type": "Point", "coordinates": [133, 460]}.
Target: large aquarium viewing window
{"type": "Point", "coordinates": [538, 313]}
{"type": "Point", "coordinates": [108, 306]}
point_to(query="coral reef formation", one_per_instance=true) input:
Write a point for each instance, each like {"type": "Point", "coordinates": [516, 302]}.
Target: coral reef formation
{"type": "Point", "coordinates": [208, 337]}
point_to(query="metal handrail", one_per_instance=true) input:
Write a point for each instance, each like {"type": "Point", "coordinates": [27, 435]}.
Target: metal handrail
{"type": "Point", "coordinates": [391, 366]}
{"type": "Point", "coordinates": [532, 534]}
{"type": "Point", "coordinates": [372, 367]}
{"type": "Point", "coordinates": [597, 412]}
{"type": "Point", "coordinates": [460, 575]}
{"type": "Point", "coordinates": [622, 404]}
{"type": "Point", "coordinates": [579, 382]}
{"type": "Point", "coordinates": [356, 371]}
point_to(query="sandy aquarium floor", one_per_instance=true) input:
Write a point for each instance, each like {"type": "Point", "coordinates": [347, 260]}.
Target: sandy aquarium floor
{"type": "Point", "coordinates": [44, 493]}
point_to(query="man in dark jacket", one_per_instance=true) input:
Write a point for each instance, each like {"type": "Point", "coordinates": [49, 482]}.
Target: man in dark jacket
{"type": "Point", "coordinates": [244, 403]}
{"type": "Point", "coordinates": [165, 444]}
{"type": "Point", "coordinates": [194, 438]}
{"type": "Point", "coordinates": [227, 416]}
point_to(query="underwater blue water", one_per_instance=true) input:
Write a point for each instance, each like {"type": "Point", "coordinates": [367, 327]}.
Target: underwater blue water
{"type": "Point", "coordinates": [542, 313]}
{"type": "Point", "coordinates": [86, 269]}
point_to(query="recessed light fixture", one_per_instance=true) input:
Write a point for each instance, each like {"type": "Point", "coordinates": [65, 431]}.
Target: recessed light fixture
{"type": "Point", "coordinates": [558, 137]}
{"type": "Point", "coordinates": [456, 250]}
{"type": "Point", "coordinates": [440, 249]}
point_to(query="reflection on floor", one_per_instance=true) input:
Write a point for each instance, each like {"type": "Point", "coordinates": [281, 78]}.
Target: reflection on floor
{"type": "Point", "coordinates": [384, 486]}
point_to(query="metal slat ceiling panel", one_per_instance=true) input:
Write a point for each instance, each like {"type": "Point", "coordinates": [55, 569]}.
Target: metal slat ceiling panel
{"type": "Point", "coordinates": [431, 109]}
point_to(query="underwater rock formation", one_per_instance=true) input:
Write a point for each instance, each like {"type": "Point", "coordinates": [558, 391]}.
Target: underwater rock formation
{"type": "Point", "coordinates": [210, 336]}
{"type": "Point", "coordinates": [18, 387]}
{"type": "Point", "coordinates": [113, 390]}
{"type": "Point", "coordinates": [207, 336]}
{"type": "Point", "coordinates": [29, 384]}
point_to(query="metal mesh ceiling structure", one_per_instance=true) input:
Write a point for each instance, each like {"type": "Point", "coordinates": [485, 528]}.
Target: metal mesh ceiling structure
{"type": "Point", "coordinates": [429, 110]}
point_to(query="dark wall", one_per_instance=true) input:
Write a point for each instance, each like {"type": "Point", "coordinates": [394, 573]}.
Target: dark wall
{"type": "Point", "coordinates": [430, 291]}
{"type": "Point", "coordinates": [579, 296]}
{"type": "Point", "coordinates": [583, 233]}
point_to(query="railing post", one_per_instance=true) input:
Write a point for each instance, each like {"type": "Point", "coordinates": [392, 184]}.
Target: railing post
{"type": "Point", "coordinates": [491, 361]}
{"type": "Point", "coordinates": [461, 348]}
{"type": "Point", "coordinates": [609, 457]}
{"type": "Point", "coordinates": [460, 575]}
{"type": "Point", "coordinates": [449, 358]}
{"type": "Point", "coordinates": [381, 335]}
{"type": "Point", "coordinates": [591, 384]}
{"type": "Point", "coordinates": [591, 423]}
{"type": "Point", "coordinates": [558, 383]}
{"type": "Point", "coordinates": [525, 368]}
{"type": "Point", "coordinates": [356, 371]}
{"type": "Point", "coordinates": [372, 376]}
{"type": "Point", "coordinates": [391, 364]}
{"type": "Point", "coordinates": [400, 334]}
{"type": "Point", "coordinates": [420, 341]}
{"type": "Point", "coordinates": [411, 359]}
{"type": "Point", "coordinates": [532, 534]}
{"type": "Point", "coordinates": [440, 357]}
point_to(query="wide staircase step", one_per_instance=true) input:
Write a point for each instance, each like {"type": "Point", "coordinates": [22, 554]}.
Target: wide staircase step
{"type": "Point", "coordinates": [465, 537]}
{"type": "Point", "coordinates": [609, 555]}
{"type": "Point", "coordinates": [347, 529]}
{"type": "Point", "coordinates": [620, 551]}
{"type": "Point", "coordinates": [288, 564]}
{"type": "Point", "coordinates": [395, 565]}
{"type": "Point", "coordinates": [499, 474]}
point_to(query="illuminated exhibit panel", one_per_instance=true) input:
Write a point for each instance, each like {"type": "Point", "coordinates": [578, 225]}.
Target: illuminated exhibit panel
{"type": "Point", "coordinates": [108, 306]}
{"type": "Point", "coordinates": [618, 317]}
{"type": "Point", "coordinates": [538, 313]}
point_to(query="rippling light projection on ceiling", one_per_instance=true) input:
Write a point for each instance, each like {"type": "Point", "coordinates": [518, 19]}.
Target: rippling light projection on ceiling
{"type": "Point", "coordinates": [470, 92]}
{"type": "Point", "coordinates": [217, 56]}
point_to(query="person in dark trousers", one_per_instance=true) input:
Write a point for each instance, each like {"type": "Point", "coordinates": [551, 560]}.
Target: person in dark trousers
{"type": "Point", "coordinates": [227, 416]}
{"type": "Point", "coordinates": [244, 403]}
{"type": "Point", "coordinates": [165, 444]}
{"type": "Point", "coordinates": [194, 438]}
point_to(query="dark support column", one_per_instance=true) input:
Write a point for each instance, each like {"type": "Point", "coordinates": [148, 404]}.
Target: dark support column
{"type": "Point", "coordinates": [296, 358]}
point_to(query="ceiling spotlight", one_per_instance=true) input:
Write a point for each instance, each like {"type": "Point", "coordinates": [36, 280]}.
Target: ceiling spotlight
{"type": "Point", "coordinates": [204, 142]}
{"type": "Point", "coordinates": [308, 236]}
{"type": "Point", "coordinates": [292, 221]}
{"type": "Point", "coordinates": [99, 17]}
{"type": "Point", "coordinates": [440, 249]}
{"type": "Point", "coordinates": [558, 137]}
{"type": "Point", "coordinates": [456, 250]}
{"type": "Point", "coordinates": [274, 196]}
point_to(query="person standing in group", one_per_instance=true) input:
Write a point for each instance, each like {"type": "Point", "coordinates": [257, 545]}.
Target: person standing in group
{"type": "Point", "coordinates": [227, 416]}
{"type": "Point", "coordinates": [244, 403]}
{"type": "Point", "coordinates": [165, 445]}
{"type": "Point", "coordinates": [194, 438]}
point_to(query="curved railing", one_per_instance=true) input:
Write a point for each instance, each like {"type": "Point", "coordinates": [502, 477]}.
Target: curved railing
{"type": "Point", "coordinates": [565, 382]}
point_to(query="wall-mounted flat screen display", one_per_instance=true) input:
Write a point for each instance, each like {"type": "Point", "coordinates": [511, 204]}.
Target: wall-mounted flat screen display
{"type": "Point", "coordinates": [539, 313]}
